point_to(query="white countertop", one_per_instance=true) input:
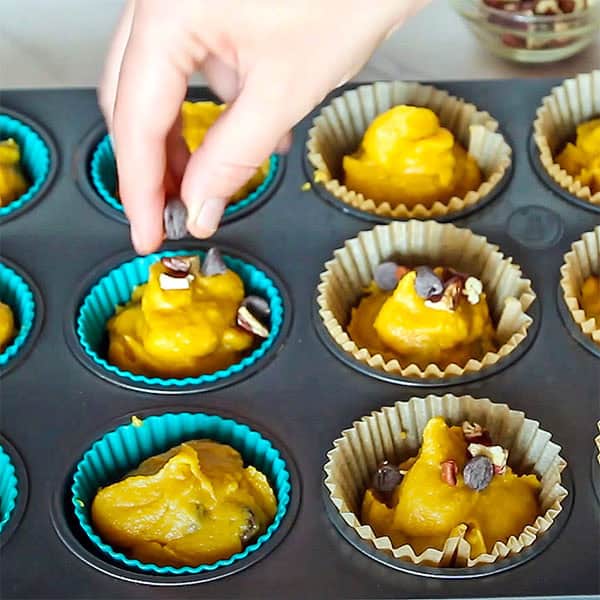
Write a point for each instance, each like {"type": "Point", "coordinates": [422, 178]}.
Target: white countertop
{"type": "Point", "coordinates": [61, 43]}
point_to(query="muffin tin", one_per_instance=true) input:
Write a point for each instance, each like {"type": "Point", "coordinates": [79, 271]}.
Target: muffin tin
{"type": "Point", "coordinates": [53, 408]}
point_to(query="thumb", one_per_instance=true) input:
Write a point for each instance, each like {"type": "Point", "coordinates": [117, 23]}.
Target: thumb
{"type": "Point", "coordinates": [234, 147]}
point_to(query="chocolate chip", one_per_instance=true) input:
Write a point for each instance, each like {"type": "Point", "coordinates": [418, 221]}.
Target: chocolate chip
{"type": "Point", "coordinates": [251, 528]}
{"type": "Point", "coordinates": [386, 275]}
{"type": "Point", "coordinates": [386, 478]}
{"type": "Point", "coordinates": [213, 263]}
{"type": "Point", "coordinates": [427, 283]}
{"type": "Point", "coordinates": [176, 266]}
{"type": "Point", "coordinates": [258, 307]}
{"type": "Point", "coordinates": [175, 218]}
{"type": "Point", "coordinates": [478, 472]}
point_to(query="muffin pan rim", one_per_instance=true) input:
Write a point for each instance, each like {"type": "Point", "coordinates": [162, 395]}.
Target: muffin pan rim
{"type": "Point", "coordinates": [595, 475]}
{"type": "Point", "coordinates": [53, 168]}
{"type": "Point", "coordinates": [21, 502]}
{"type": "Point", "coordinates": [61, 500]}
{"type": "Point", "coordinates": [88, 145]}
{"type": "Point", "coordinates": [555, 188]}
{"type": "Point", "coordinates": [115, 261]}
{"type": "Point", "coordinates": [29, 342]}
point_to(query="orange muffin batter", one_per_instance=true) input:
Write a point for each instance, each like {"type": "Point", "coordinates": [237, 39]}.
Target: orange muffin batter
{"type": "Point", "coordinates": [401, 324]}
{"type": "Point", "coordinates": [182, 332]}
{"type": "Point", "coordinates": [197, 118]}
{"type": "Point", "coordinates": [582, 159]}
{"type": "Point", "coordinates": [7, 326]}
{"type": "Point", "coordinates": [194, 504]}
{"type": "Point", "coordinates": [590, 297]}
{"type": "Point", "coordinates": [12, 180]}
{"type": "Point", "coordinates": [406, 157]}
{"type": "Point", "coordinates": [427, 507]}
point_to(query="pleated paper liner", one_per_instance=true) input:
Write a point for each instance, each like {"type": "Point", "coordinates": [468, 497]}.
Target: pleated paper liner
{"type": "Point", "coordinates": [582, 261]}
{"type": "Point", "coordinates": [509, 294]}
{"type": "Point", "coordinates": [340, 126]}
{"type": "Point", "coordinates": [35, 160]}
{"type": "Point", "coordinates": [18, 295]}
{"type": "Point", "coordinates": [124, 448]}
{"type": "Point", "coordinates": [597, 440]}
{"type": "Point", "coordinates": [596, 464]}
{"type": "Point", "coordinates": [395, 433]}
{"type": "Point", "coordinates": [570, 104]}
{"type": "Point", "coordinates": [116, 287]}
{"type": "Point", "coordinates": [9, 488]}
{"type": "Point", "coordinates": [103, 174]}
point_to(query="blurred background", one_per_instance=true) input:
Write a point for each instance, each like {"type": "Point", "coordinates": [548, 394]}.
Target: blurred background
{"type": "Point", "coordinates": [61, 43]}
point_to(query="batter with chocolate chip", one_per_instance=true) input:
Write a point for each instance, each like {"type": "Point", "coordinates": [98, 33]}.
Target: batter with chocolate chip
{"type": "Point", "coordinates": [192, 317]}
{"type": "Point", "coordinates": [422, 316]}
{"type": "Point", "coordinates": [453, 488]}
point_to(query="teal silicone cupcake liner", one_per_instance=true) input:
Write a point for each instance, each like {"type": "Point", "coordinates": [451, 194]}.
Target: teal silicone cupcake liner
{"type": "Point", "coordinates": [103, 173]}
{"type": "Point", "coordinates": [124, 448]}
{"type": "Point", "coordinates": [116, 288]}
{"type": "Point", "coordinates": [19, 295]}
{"type": "Point", "coordinates": [35, 160]}
{"type": "Point", "coordinates": [9, 488]}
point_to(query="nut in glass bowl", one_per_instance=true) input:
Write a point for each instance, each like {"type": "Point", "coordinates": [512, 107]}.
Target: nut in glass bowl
{"type": "Point", "coordinates": [532, 31]}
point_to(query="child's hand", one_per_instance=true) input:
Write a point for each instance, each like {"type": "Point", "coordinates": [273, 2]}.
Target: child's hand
{"type": "Point", "coordinates": [271, 61]}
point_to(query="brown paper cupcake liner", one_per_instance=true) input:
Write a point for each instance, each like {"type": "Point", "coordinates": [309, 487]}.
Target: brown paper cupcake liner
{"type": "Point", "coordinates": [395, 433]}
{"type": "Point", "coordinates": [568, 105]}
{"type": "Point", "coordinates": [597, 440]}
{"type": "Point", "coordinates": [340, 126]}
{"type": "Point", "coordinates": [351, 270]}
{"type": "Point", "coordinates": [582, 261]}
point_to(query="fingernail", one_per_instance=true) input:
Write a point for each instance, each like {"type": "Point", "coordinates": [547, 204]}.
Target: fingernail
{"type": "Point", "coordinates": [208, 217]}
{"type": "Point", "coordinates": [135, 238]}
{"type": "Point", "coordinates": [137, 241]}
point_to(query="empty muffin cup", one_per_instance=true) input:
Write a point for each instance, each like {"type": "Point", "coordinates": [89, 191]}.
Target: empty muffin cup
{"type": "Point", "coordinates": [17, 294]}
{"type": "Point", "coordinates": [116, 288]}
{"type": "Point", "coordinates": [34, 161]}
{"type": "Point", "coordinates": [351, 271]}
{"type": "Point", "coordinates": [9, 488]}
{"type": "Point", "coordinates": [581, 263]}
{"type": "Point", "coordinates": [103, 173]}
{"type": "Point", "coordinates": [123, 449]}
{"type": "Point", "coordinates": [338, 129]}
{"type": "Point", "coordinates": [570, 104]}
{"type": "Point", "coordinates": [395, 433]}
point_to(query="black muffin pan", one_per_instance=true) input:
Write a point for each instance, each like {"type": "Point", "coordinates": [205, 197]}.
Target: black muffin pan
{"type": "Point", "coordinates": [302, 395]}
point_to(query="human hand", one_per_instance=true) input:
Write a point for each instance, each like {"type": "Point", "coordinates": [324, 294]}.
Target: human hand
{"type": "Point", "coordinates": [271, 61]}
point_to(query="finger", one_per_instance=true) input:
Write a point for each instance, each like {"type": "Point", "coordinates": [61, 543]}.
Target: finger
{"type": "Point", "coordinates": [151, 90]}
{"type": "Point", "coordinates": [285, 143]}
{"type": "Point", "coordinates": [107, 90]}
{"type": "Point", "coordinates": [177, 159]}
{"type": "Point", "coordinates": [234, 147]}
{"type": "Point", "coordinates": [222, 79]}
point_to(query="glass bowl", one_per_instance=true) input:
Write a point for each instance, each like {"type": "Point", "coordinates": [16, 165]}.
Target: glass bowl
{"type": "Point", "coordinates": [530, 38]}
